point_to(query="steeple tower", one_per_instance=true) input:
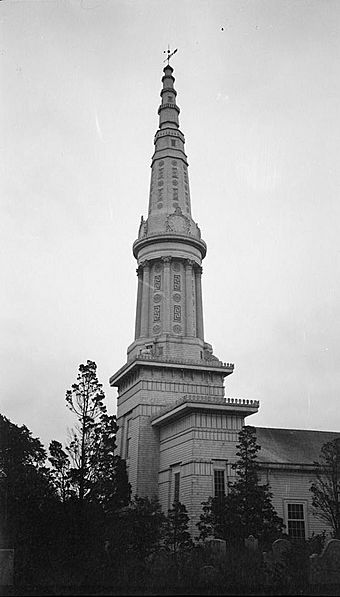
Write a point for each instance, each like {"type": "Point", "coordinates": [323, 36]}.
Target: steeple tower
{"type": "Point", "coordinates": [169, 177]}
{"type": "Point", "coordinates": [169, 249]}
{"type": "Point", "coordinates": [170, 370]}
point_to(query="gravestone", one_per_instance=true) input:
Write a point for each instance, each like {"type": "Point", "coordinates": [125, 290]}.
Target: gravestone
{"type": "Point", "coordinates": [209, 576]}
{"type": "Point", "coordinates": [251, 543]}
{"type": "Point", "coordinates": [325, 568]}
{"type": "Point", "coordinates": [275, 562]}
{"type": "Point", "coordinates": [280, 549]}
{"type": "Point", "coordinates": [216, 548]}
{"type": "Point", "coordinates": [278, 554]}
{"type": "Point", "coordinates": [6, 566]}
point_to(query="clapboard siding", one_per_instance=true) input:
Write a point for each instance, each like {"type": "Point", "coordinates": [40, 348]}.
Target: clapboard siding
{"type": "Point", "coordinates": [287, 485]}
{"type": "Point", "coordinates": [194, 443]}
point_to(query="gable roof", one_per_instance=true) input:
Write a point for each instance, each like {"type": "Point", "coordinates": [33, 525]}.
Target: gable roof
{"type": "Point", "coordinates": [291, 446]}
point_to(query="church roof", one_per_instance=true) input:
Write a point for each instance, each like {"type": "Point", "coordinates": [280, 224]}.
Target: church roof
{"type": "Point", "coordinates": [291, 446]}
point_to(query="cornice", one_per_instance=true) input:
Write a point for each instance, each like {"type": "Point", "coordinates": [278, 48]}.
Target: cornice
{"type": "Point", "coordinates": [165, 237]}
{"type": "Point", "coordinates": [161, 362]}
{"type": "Point", "coordinates": [189, 404]}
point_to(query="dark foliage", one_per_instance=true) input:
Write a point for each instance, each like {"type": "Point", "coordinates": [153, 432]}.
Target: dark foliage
{"type": "Point", "coordinates": [60, 470]}
{"type": "Point", "coordinates": [138, 529]}
{"type": "Point", "coordinates": [27, 494]}
{"type": "Point", "coordinates": [176, 536]}
{"type": "Point", "coordinates": [326, 488]}
{"type": "Point", "coordinates": [247, 508]}
{"type": "Point", "coordinates": [57, 519]}
{"type": "Point", "coordinates": [97, 474]}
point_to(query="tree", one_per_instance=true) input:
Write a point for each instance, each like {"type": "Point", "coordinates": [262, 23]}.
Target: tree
{"type": "Point", "coordinates": [60, 469]}
{"type": "Point", "coordinates": [140, 528]}
{"type": "Point", "coordinates": [326, 488]}
{"type": "Point", "coordinates": [27, 498]}
{"type": "Point", "coordinates": [97, 473]}
{"type": "Point", "coordinates": [247, 508]}
{"type": "Point", "coordinates": [176, 536]}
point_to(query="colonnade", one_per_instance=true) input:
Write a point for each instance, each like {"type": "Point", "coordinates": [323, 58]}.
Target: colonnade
{"type": "Point", "coordinates": [191, 299]}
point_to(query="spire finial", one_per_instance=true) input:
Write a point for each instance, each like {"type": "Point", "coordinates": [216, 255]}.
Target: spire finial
{"type": "Point", "coordinates": [169, 54]}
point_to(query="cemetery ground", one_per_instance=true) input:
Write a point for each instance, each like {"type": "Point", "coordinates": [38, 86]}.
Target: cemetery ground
{"type": "Point", "coordinates": [210, 568]}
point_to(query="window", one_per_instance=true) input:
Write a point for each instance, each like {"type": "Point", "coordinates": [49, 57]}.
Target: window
{"type": "Point", "coordinates": [127, 438]}
{"type": "Point", "coordinates": [296, 520]}
{"type": "Point", "coordinates": [219, 483]}
{"type": "Point", "coordinates": [176, 486]}
{"type": "Point", "coordinates": [173, 142]}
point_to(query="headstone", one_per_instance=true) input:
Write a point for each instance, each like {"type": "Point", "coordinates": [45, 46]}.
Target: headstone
{"type": "Point", "coordinates": [325, 568]}
{"type": "Point", "coordinates": [209, 576]}
{"type": "Point", "coordinates": [275, 562]}
{"type": "Point", "coordinates": [217, 549]}
{"type": "Point", "coordinates": [251, 543]}
{"type": "Point", "coordinates": [6, 566]}
{"type": "Point", "coordinates": [281, 548]}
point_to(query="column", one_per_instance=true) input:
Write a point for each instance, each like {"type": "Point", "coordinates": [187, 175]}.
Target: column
{"type": "Point", "coordinates": [139, 272]}
{"type": "Point", "coordinates": [189, 310]}
{"type": "Point", "coordinates": [145, 299]}
{"type": "Point", "coordinates": [199, 305]}
{"type": "Point", "coordinates": [167, 292]}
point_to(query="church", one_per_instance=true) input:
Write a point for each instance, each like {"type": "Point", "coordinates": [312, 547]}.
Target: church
{"type": "Point", "coordinates": [177, 429]}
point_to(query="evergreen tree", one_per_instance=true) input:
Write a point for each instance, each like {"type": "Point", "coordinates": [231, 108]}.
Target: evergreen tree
{"type": "Point", "coordinates": [60, 469]}
{"type": "Point", "coordinates": [247, 508]}
{"type": "Point", "coordinates": [326, 488]}
{"type": "Point", "coordinates": [176, 535]}
{"type": "Point", "coordinates": [138, 531]}
{"type": "Point", "coordinates": [28, 501]}
{"type": "Point", "coordinates": [97, 473]}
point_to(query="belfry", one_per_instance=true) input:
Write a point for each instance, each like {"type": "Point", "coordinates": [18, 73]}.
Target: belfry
{"type": "Point", "coordinates": [171, 404]}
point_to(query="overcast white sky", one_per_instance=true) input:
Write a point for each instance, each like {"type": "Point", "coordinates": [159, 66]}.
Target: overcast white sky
{"type": "Point", "coordinates": [258, 85]}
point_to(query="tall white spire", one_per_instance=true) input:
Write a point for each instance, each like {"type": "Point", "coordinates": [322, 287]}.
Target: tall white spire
{"type": "Point", "coordinates": [169, 249]}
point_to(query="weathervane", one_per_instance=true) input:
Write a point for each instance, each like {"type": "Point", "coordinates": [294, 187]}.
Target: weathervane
{"type": "Point", "coordinates": [169, 54]}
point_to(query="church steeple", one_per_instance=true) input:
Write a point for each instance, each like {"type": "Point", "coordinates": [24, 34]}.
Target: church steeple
{"type": "Point", "coordinates": [169, 249]}
{"type": "Point", "coordinates": [169, 362]}
{"type": "Point", "coordinates": [169, 186]}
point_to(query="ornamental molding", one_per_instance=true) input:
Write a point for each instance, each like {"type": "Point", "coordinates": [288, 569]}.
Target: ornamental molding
{"type": "Point", "coordinates": [143, 228]}
{"type": "Point", "coordinates": [178, 222]}
{"type": "Point", "coordinates": [167, 106]}
{"type": "Point", "coordinates": [175, 264]}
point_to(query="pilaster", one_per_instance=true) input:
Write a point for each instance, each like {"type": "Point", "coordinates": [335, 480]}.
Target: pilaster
{"type": "Point", "coordinates": [145, 299]}
{"type": "Point", "coordinates": [139, 272]}
{"type": "Point", "coordinates": [167, 300]}
{"type": "Point", "coordinates": [199, 303]}
{"type": "Point", "coordinates": [189, 307]}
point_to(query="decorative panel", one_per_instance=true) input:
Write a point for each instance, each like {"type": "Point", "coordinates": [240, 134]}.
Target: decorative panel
{"type": "Point", "coordinates": [177, 282]}
{"type": "Point", "coordinates": [157, 282]}
{"type": "Point", "coordinates": [177, 313]}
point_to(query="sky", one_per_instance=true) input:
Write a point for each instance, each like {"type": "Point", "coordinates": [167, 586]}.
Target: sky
{"type": "Point", "coordinates": [258, 87]}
